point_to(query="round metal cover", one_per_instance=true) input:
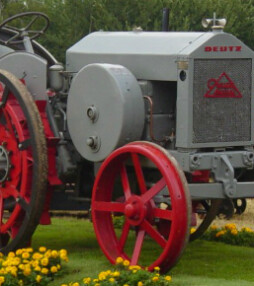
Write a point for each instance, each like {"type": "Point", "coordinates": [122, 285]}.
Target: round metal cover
{"type": "Point", "coordinates": [105, 110]}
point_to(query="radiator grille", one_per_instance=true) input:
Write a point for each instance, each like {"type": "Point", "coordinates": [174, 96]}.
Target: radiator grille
{"type": "Point", "coordinates": [217, 118]}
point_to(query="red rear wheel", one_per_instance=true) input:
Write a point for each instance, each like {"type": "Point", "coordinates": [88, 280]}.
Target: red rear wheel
{"type": "Point", "coordinates": [148, 199]}
{"type": "Point", "coordinates": [23, 164]}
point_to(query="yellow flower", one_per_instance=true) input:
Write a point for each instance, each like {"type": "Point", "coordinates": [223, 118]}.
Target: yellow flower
{"type": "Point", "coordinates": [37, 256]}
{"type": "Point", "coordinates": [87, 280]}
{"type": "Point", "coordinates": [27, 271]}
{"type": "Point", "coordinates": [14, 271]}
{"type": "Point", "coordinates": [21, 283]}
{"type": "Point", "coordinates": [21, 266]}
{"type": "Point", "coordinates": [192, 230]}
{"type": "Point", "coordinates": [58, 266]}
{"type": "Point", "coordinates": [54, 254]}
{"type": "Point", "coordinates": [102, 276]}
{"type": "Point", "coordinates": [157, 268]}
{"type": "Point", "coordinates": [247, 229]}
{"type": "Point", "coordinates": [126, 262]}
{"type": "Point", "coordinates": [140, 283]}
{"type": "Point", "coordinates": [53, 269]}
{"type": "Point", "coordinates": [37, 268]}
{"type": "Point", "coordinates": [44, 261]}
{"type": "Point", "coordinates": [97, 284]}
{"type": "Point", "coordinates": [119, 260]}
{"type": "Point", "coordinates": [234, 231]}
{"type": "Point", "coordinates": [44, 271]}
{"type": "Point", "coordinates": [19, 251]}
{"type": "Point", "coordinates": [63, 251]}
{"type": "Point", "coordinates": [214, 227]}
{"type": "Point", "coordinates": [168, 278]}
{"type": "Point", "coordinates": [75, 284]}
{"type": "Point", "coordinates": [155, 278]}
{"type": "Point", "coordinates": [116, 274]}
{"type": "Point", "coordinates": [38, 278]}
{"type": "Point", "coordinates": [111, 280]}
{"type": "Point", "coordinates": [230, 226]}
{"type": "Point", "coordinates": [220, 233]}
{"type": "Point", "coordinates": [42, 249]}
{"type": "Point", "coordinates": [2, 279]}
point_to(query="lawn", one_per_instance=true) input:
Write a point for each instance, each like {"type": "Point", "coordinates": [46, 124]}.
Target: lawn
{"type": "Point", "coordinates": [203, 263]}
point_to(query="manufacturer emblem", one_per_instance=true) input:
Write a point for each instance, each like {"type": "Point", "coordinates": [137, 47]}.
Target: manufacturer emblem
{"type": "Point", "coordinates": [222, 87]}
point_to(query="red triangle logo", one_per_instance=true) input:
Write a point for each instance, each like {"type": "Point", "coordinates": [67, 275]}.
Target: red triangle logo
{"type": "Point", "coordinates": [222, 87]}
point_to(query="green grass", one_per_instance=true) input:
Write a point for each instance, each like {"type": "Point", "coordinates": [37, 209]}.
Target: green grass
{"type": "Point", "coordinates": [203, 263]}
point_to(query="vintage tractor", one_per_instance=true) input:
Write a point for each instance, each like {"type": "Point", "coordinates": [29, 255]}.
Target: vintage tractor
{"type": "Point", "coordinates": [162, 120]}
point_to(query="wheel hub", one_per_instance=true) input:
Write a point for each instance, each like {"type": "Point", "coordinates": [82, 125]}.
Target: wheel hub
{"type": "Point", "coordinates": [4, 163]}
{"type": "Point", "coordinates": [135, 210]}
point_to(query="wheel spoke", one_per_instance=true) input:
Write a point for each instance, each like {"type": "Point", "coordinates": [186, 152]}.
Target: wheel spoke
{"type": "Point", "coordinates": [125, 182]}
{"type": "Point", "coordinates": [153, 233]}
{"type": "Point", "coordinates": [108, 206]}
{"type": "Point", "coordinates": [155, 189]}
{"type": "Point", "coordinates": [139, 173]}
{"type": "Point", "coordinates": [34, 32]}
{"type": "Point", "coordinates": [124, 236]}
{"type": "Point", "coordinates": [13, 28]}
{"type": "Point", "coordinates": [163, 214]}
{"type": "Point", "coordinates": [12, 38]}
{"type": "Point", "coordinates": [10, 191]}
{"type": "Point", "coordinates": [138, 247]}
{"type": "Point", "coordinates": [31, 23]}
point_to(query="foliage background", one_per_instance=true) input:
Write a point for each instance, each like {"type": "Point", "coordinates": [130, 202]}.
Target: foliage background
{"type": "Point", "coordinates": [73, 19]}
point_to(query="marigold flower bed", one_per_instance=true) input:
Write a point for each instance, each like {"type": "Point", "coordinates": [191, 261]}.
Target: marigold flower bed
{"type": "Point", "coordinates": [125, 275]}
{"type": "Point", "coordinates": [26, 267]}
{"type": "Point", "coordinates": [231, 235]}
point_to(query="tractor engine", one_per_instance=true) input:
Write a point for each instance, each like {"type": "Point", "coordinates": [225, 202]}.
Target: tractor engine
{"type": "Point", "coordinates": [185, 91]}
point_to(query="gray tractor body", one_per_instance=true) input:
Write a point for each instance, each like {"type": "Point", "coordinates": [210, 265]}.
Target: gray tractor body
{"type": "Point", "coordinates": [199, 85]}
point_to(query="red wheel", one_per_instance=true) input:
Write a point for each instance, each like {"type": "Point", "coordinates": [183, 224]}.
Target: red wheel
{"type": "Point", "coordinates": [23, 164]}
{"type": "Point", "coordinates": [164, 196]}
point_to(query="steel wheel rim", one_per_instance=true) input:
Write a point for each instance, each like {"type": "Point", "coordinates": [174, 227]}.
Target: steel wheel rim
{"type": "Point", "coordinates": [20, 120]}
{"type": "Point", "coordinates": [173, 246]}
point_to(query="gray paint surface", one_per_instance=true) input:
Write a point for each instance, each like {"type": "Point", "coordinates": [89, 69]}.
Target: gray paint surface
{"type": "Point", "coordinates": [115, 94]}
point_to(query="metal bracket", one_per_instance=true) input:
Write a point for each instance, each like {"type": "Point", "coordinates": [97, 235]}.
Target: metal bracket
{"type": "Point", "coordinates": [224, 172]}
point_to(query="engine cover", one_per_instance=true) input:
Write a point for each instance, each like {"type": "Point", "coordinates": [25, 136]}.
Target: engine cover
{"type": "Point", "coordinates": [105, 110]}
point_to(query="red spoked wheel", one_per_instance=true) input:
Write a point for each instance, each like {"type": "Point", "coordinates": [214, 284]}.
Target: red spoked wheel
{"type": "Point", "coordinates": [23, 164]}
{"type": "Point", "coordinates": [145, 200]}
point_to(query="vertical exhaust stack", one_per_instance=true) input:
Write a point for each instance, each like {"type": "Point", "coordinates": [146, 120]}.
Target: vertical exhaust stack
{"type": "Point", "coordinates": [165, 19]}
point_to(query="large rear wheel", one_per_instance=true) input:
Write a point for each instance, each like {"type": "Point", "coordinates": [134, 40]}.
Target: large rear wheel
{"type": "Point", "coordinates": [23, 164]}
{"type": "Point", "coordinates": [141, 208]}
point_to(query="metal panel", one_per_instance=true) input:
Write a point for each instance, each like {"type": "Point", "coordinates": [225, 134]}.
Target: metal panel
{"type": "Point", "coordinates": [222, 100]}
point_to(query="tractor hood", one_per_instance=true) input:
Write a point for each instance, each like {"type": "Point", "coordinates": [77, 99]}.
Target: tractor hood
{"type": "Point", "coordinates": [153, 55]}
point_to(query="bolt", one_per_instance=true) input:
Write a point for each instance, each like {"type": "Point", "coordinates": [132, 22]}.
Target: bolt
{"type": "Point", "coordinates": [92, 112]}
{"type": "Point", "coordinates": [91, 141]}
